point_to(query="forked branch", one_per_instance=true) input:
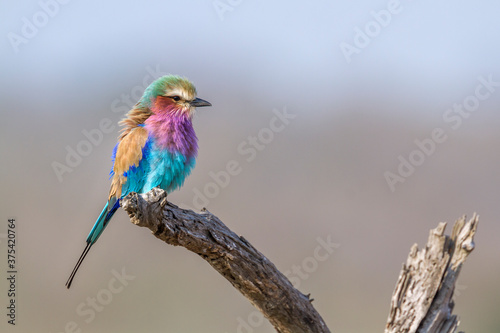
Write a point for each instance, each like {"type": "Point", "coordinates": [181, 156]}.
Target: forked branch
{"type": "Point", "coordinates": [422, 300]}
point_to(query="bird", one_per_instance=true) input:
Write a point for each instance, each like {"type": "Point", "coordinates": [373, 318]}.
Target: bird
{"type": "Point", "coordinates": [157, 147]}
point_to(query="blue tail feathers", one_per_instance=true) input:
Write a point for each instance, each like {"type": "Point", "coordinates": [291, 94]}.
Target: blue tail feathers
{"type": "Point", "coordinates": [102, 221]}
{"type": "Point", "coordinates": [99, 226]}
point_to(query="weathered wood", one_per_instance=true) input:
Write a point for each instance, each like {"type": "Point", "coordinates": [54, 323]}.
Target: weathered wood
{"type": "Point", "coordinates": [248, 270]}
{"type": "Point", "coordinates": [422, 300]}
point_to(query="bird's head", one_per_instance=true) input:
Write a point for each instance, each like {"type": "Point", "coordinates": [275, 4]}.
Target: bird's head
{"type": "Point", "coordinates": [172, 93]}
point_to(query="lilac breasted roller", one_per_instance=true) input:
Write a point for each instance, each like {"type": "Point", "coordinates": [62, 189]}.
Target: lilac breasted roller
{"type": "Point", "coordinates": [157, 147]}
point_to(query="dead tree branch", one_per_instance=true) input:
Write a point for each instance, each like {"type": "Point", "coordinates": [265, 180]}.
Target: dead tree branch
{"type": "Point", "coordinates": [248, 270]}
{"type": "Point", "coordinates": [422, 300]}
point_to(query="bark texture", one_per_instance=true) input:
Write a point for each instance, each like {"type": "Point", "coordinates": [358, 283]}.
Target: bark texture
{"type": "Point", "coordinates": [423, 298]}
{"type": "Point", "coordinates": [248, 270]}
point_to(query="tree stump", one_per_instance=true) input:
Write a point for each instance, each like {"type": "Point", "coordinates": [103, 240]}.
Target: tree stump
{"type": "Point", "coordinates": [422, 300]}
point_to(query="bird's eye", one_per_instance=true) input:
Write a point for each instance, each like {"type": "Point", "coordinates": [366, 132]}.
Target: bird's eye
{"type": "Point", "coordinates": [176, 98]}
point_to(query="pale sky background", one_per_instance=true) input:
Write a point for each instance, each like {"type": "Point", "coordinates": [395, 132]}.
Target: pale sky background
{"type": "Point", "coordinates": [321, 176]}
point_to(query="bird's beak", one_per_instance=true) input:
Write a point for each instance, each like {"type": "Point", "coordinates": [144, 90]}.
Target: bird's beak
{"type": "Point", "coordinates": [198, 102]}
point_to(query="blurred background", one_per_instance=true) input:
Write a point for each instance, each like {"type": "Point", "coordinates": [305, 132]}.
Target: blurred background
{"type": "Point", "coordinates": [330, 109]}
